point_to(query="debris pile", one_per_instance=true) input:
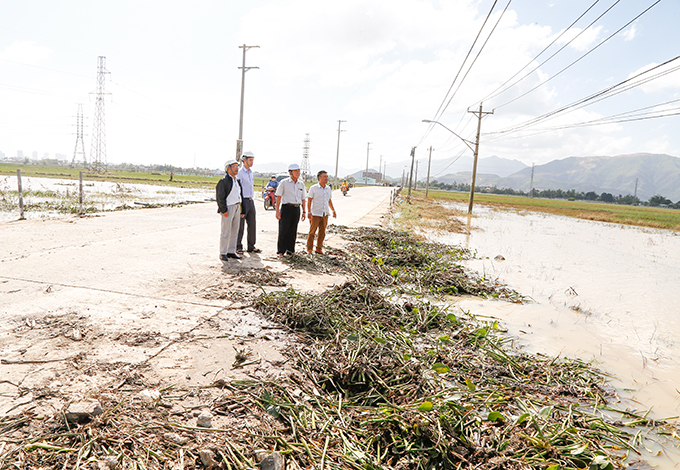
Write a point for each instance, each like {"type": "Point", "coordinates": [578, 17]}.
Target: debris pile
{"type": "Point", "coordinates": [385, 376]}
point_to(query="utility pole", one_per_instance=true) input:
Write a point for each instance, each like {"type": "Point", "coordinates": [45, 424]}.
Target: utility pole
{"type": "Point", "coordinates": [337, 154]}
{"type": "Point", "coordinates": [479, 115]}
{"type": "Point", "coordinates": [380, 169]}
{"type": "Point", "coordinates": [244, 69]}
{"type": "Point", "coordinates": [368, 148]}
{"type": "Point", "coordinates": [635, 193]}
{"type": "Point", "coordinates": [403, 177]}
{"type": "Point", "coordinates": [415, 184]}
{"type": "Point", "coordinates": [429, 162]}
{"type": "Point", "coordinates": [410, 175]}
{"type": "Point", "coordinates": [306, 166]}
{"type": "Point", "coordinates": [80, 143]}
{"type": "Point", "coordinates": [98, 149]}
{"type": "Point", "coordinates": [531, 185]}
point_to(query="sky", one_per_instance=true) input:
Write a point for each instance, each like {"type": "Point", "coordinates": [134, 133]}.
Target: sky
{"type": "Point", "coordinates": [382, 66]}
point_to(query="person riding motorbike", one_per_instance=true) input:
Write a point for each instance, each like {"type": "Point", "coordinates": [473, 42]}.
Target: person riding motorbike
{"type": "Point", "coordinates": [344, 187]}
{"type": "Point", "coordinates": [268, 193]}
{"type": "Point", "coordinates": [273, 183]}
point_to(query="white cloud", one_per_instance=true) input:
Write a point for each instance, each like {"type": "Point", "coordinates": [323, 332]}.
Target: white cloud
{"type": "Point", "coordinates": [26, 52]}
{"type": "Point", "coordinates": [669, 79]}
{"type": "Point", "coordinates": [630, 33]}
{"type": "Point", "coordinates": [581, 40]}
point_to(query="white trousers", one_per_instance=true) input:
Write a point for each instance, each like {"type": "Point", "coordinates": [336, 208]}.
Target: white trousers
{"type": "Point", "coordinates": [229, 229]}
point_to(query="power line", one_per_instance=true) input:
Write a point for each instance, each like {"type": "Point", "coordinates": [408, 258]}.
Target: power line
{"type": "Point", "coordinates": [476, 57]}
{"type": "Point", "coordinates": [462, 65]}
{"type": "Point", "coordinates": [495, 93]}
{"type": "Point", "coordinates": [580, 58]}
{"type": "Point", "coordinates": [608, 92]}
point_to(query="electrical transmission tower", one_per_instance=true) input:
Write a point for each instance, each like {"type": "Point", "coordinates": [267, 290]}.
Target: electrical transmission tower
{"type": "Point", "coordinates": [98, 149]}
{"type": "Point", "coordinates": [305, 167]}
{"type": "Point", "coordinates": [80, 143]}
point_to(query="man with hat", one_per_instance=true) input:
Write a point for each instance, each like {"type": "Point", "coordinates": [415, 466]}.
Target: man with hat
{"type": "Point", "coordinates": [230, 207]}
{"type": "Point", "coordinates": [290, 197]}
{"type": "Point", "coordinates": [245, 177]}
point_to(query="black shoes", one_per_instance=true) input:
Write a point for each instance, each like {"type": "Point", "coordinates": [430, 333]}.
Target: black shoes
{"type": "Point", "coordinates": [233, 255]}
{"type": "Point", "coordinates": [224, 258]}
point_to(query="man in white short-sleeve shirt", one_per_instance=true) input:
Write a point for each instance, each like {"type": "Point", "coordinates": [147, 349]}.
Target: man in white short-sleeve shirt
{"type": "Point", "coordinates": [320, 206]}
{"type": "Point", "coordinates": [290, 198]}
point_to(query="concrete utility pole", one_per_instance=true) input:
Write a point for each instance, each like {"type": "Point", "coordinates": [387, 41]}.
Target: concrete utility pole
{"type": "Point", "coordinates": [635, 193]}
{"type": "Point", "coordinates": [380, 169]}
{"type": "Point", "coordinates": [531, 184]}
{"type": "Point", "coordinates": [415, 185]}
{"type": "Point", "coordinates": [427, 184]}
{"type": "Point", "coordinates": [410, 175]}
{"type": "Point", "coordinates": [244, 69]}
{"type": "Point", "coordinates": [368, 149]}
{"type": "Point", "coordinates": [337, 154]}
{"type": "Point", "coordinates": [479, 115]}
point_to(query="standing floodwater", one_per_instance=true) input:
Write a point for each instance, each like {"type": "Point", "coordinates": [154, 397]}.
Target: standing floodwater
{"type": "Point", "coordinates": [602, 291]}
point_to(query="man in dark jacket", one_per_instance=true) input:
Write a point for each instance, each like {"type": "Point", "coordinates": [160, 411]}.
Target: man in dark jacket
{"type": "Point", "coordinates": [230, 207]}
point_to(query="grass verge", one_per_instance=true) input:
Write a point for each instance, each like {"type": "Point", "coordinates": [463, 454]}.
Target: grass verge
{"type": "Point", "coordinates": [642, 216]}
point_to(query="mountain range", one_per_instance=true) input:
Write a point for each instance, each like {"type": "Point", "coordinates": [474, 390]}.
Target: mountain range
{"type": "Point", "coordinates": [653, 174]}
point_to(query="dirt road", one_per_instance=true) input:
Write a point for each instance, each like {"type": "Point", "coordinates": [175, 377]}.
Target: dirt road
{"type": "Point", "coordinates": [139, 298]}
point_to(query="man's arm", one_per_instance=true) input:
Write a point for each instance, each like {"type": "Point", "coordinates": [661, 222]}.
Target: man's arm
{"type": "Point", "coordinates": [278, 204]}
{"type": "Point", "coordinates": [221, 196]}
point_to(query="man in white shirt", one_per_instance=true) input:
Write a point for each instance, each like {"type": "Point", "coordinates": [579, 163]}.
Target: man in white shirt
{"type": "Point", "coordinates": [229, 197]}
{"type": "Point", "coordinates": [245, 177]}
{"type": "Point", "coordinates": [320, 206]}
{"type": "Point", "coordinates": [290, 198]}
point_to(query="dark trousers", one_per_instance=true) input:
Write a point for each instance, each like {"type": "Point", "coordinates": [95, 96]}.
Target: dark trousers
{"type": "Point", "coordinates": [288, 224]}
{"type": "Point", "coordinates": [249, 208]}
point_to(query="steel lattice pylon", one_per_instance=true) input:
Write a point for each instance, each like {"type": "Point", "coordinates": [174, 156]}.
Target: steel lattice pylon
{"type": "Point", "coordinates": [305, 166]}
{"type": "Point", "coordinates": [98, 149]}
{"type": "Point", "coordinates": [80, 143]}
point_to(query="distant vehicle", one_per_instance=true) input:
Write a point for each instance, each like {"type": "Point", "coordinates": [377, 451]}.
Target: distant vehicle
{"type": "Point", "coordinates": [281, 176]}
{"type": "Point", "coordinates": [269, 198]}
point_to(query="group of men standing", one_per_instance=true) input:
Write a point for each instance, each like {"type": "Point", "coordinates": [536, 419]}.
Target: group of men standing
{"type": "Point", "coordinates": [236, 206]}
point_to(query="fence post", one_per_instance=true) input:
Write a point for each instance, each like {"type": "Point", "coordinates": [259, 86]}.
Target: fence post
{"type": "Point", "coordinates": [21, 196]}
{"type": "Point", "coordinates": [80, 195]}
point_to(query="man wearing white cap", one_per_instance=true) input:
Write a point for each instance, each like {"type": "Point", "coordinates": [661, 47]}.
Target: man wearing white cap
{"type": "Point", "coordinates": [245, 177]}
{"type": "Point", "coordinates": [290, 198]}
{"type": "Point", "coordinates": [229, 198]}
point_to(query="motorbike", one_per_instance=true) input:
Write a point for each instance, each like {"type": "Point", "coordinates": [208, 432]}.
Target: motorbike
{"type": "Point", "coordinates": [269, 197]}
{"type": "Point", "coordinates": [344, 190]}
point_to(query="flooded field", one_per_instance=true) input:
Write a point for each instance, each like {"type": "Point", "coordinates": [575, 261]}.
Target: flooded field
{"type": "Point", "coordinates": [48, 196]}
{"type": "Point", "coordinates": [602, 292]}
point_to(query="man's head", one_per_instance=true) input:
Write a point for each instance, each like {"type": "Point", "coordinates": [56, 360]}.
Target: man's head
{"type": "Point", "coordinates": [273, 178]}
{"type": "Point", "coordinates": [294, 171]}
{"type": "Point", "coordinates": [248, 158]}
{"type": "Point", "coordinates": [322, 176]}
{"type": "Point", "coordinates": [231, 167]}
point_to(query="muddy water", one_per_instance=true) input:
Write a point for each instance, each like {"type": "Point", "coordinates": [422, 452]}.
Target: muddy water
{"type": "Point", "coordinates": [102, 195]}
{"type": "Point", "coordinates": [602, 292]}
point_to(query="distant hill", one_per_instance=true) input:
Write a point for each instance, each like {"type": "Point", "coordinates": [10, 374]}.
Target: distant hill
{"type": "Point", "coordinates": [656, 174]}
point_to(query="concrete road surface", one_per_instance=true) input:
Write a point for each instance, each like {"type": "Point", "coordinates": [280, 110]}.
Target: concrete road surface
{"type": "Point", "coordinates": [137, 294]}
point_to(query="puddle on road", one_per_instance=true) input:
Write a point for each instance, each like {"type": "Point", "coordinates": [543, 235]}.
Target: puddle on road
{"type": "Point", "coordinates": [602, 292]}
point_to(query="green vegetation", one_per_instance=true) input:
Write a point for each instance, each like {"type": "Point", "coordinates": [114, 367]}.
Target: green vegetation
{"type": "Point", "coordinates": [118, 175]}
{"type": "Point", "coordinates": [642, 216]}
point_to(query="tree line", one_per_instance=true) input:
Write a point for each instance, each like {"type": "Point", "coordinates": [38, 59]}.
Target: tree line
{"type": "Point", "coordinates": [570, 194]}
